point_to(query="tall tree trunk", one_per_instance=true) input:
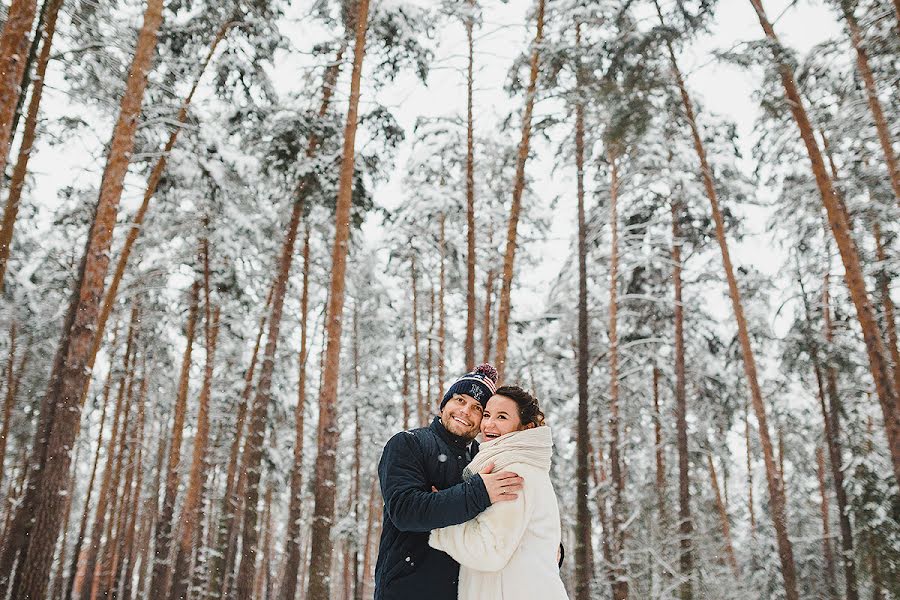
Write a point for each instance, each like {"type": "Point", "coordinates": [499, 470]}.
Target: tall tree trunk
{"type": "Point", "coordinates": [366, 576]}
{"type": "Point", "coordinates": [328, 434]}
{"type": "Point", "coordinates": [26, 72]}
{"type": "Point", "coordinates": [82, 528]}
{"type": "Point", "coordinates": [773, 477]}
{"type": "Point", "coordinates": [442, 314]}
{"type": "Point", "coordinates": [292, 545]}
{"type": "Point", "coordinates": [826, 526]}
{"type": "Point", "coordinates": [516, 207]}
{"type": "Point", "coordinates": [429, 359]}
{"type": "Point", "coordinates": [659, 451]}
{"type": "Point", "coordinates": [13, 50]}
{"type": "Point", "coordinates": [840, 227]}
{"type": "Point", "coordinates": [159, 582]}
{"type": "Point", "coordinates": [120, 419]}
{"type": "Point", "coordinates": [131, 538]}
{"type": "Point", "coordinates": [750, 508]}
{"type": "Point", "coordinates": [417, 361]}
{"type": "Point", "coordinates": [42, 510]}
{"type": "Point", "coordinates": [723, 517]}
{"type": "Point", "coordinates": [10, 398]}
{"type": "Point", "coordinates": [685, 524]}
{"type": "Point", "coordinates": [253, 448]}
{"type": "Point", "coordinates": [890, 322]}
{"type": "Point", "coordinates": [620, 583]}
{"type": "Point", "coordinates": [263, 572]}
{"type": "Point", "coordinates": [49, 13]}
{"type": "Point", "coordinates": [221, 561]}
{"type": "Point", "coordinates": [486, 324]}
{"type": "Point", "coordinates": [831, 416]}
{"type": "Point", "coordinates": [865, 71]}
{"type": "Point", "coordinates": [601, 482]}
{"type": "Point", "coordinates": [404, 390]}
{"type": "Point", "coordinates": [191, 514]}
{"type": "Point", "coordinates": [584, 556]}
{"type": "Point", "coordinates": [469, 350]}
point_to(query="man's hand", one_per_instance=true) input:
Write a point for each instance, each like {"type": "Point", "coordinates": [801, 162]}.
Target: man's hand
{"type": "Point", "coordinates": [500, 486]}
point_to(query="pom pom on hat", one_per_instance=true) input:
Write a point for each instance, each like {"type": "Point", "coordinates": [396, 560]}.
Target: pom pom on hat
{"type": "Point", "coordinates": [480, 383]}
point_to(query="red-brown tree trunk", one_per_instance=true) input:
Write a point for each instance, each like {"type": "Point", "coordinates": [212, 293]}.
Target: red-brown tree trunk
{"type": "Point", "coordinates": [292, 544]}
{"type": "Point", "coordinates": [442, 315]}
{"type": "Point", "coordinates": [865, 72]}
{"type": "Point", "coordinates": [469, 349]}
{"type": "Point", "coordinates": [685, 524]}
{"type": "Point", "coordinates": [619, 581]}
{"type": "Point", "coordinates": [13, 50]}
{"type": "Point", "coordinates": [659, 451]}
{"type": "Point", "coordinates": [723, 517]}
{"type": "Point", "coordinates": [10, 398]}
{"type": "Point", "coordinates": [159, 582]}
{"type": "Point", "coordinates": [516, 207]}
{"type": "Point", "coordinates": [750, 508]}
{"type": "Point", "coordinates": [487, 322]}
{"type": "Point", "coordinates": [584, 555]}
{"type": "Point", "coordinates": [840, 227]}
{"type": "Point", "coordinates": [42, 510]}
{"type": "Point", "coordinates": [826, 526]}
{"type": "Point", "coordinates": [887, 303]}
{"type": "Point", "coordinates": [323, 513]}
{"type": "Point", "coordinates": [773, 477]}
{"type": "Point", "coordinates": [17, 183]}
{"type": "Point", "coordinates": [417, 360]}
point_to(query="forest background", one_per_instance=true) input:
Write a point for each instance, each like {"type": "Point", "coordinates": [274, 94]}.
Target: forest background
{"type": "Point", "coordinates": [258, 238]}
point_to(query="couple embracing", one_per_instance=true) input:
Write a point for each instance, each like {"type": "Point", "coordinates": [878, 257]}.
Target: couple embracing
{"type": "Point", "coordinates": [470, 521]}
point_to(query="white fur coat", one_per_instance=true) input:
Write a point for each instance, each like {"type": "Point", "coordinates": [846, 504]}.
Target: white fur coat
{"type": "Point", "coordinates": [509, 551]}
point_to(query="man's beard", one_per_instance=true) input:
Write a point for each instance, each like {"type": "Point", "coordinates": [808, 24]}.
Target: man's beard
{"type": "Point", "coordinates": [458, 429]}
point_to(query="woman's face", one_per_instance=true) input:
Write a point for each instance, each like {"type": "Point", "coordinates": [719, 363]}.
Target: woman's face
{"type": "Point", "coordinates": [501, 416]}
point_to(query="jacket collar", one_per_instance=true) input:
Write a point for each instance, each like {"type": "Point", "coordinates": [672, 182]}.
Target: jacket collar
{"type": "Point", "coordinates": [453, 440]}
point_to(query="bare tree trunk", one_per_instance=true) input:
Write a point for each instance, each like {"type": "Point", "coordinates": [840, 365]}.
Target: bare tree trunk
{"type": "Point", "coordinates": [486, 325]}
{"type": "Point", "coordinates": [159, 582]}
{"type": "Point", "coordinates": [108, 484]}
{"type": "Point", "coordinates": [429, 359]}
{"type": "Point", "coordinates": [749, 471]}
{"type": "Point", "coordinates": [826, 526]}
{"type": "Point", "coordinates": [601, 482]}
{"type": "Point", "coordinates": [191, 515]}
{"type": "Point", "coordinates": [773, 477]}
{"type": "Point", "coordinates": [328, 434]}
{"type": "Point", "coordinates": [404, 391]}
{"type": "Point", "coordinates": [865, 71]}
{"type": "Point", "coordinates": [469, 350]}
{"type": "Point", "coordinates": [48, 13]}
{"type": "Point", "coordinates": [723, 517]}
{"type": "Point", "coordinates": [442, 315]}
{"type": "Point", "coordinates": [292, 545]}
{"type": "Point", "coordinates": [620, 583]}
{"type": "Point", "coordinates": [584, 555]}
{"type": "Point", "coordinates": [420, 412]}
{"type": "Point", "coordinates": [659, 451]}
{"type": "Point", "coordinates": [516, 207]}
{"type": "Point", "coordinates": [13, 50]}
{"type": "Point", "coordinates": [10, 398]}
{"type": "Point", "coordinates": [262, 574]}
{"type": "Point", "coordinates": [222, 560]}
{"type": "Point", "coordinates": [890, 322]}
{"type": "Point", "coordinates": [39, 26]}
{"type": "Point", "coordinates": [367, 576]}
{"type": "Point", "coordinates": [132, 536]}
{"type": "Point", "coordinates": [61, 408]}
{"type": "Point", "coordinates": [840, 227]}
{"type": "Point", "coordinates": [685, 523]}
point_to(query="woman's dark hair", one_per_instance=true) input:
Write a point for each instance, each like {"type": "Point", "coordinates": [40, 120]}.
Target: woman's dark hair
{"type": "Point", "coordinates": [529, 411]}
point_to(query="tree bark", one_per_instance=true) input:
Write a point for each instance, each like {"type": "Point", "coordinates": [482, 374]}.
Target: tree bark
{"type": "Point", "coordinates": [107, 489]}
{"type": "Point", "coordinates": [723, 517]}
{"type": "Point", "coordinates": [516, 207]}
{"type": "Point", "coordinates": [619, 581]}
{"type": "Point", "coordinates": [10, 398]}
{"type": "Point", "coordinates": [840, 228]}
{"type": "Point", "coordinates": [295, 510]}
{"type": "Point", "coordinates": [13, 50]}
{"type": "Point", "coordinates": [159, 582]}
{"type": "Point", "coordinates": [469, 350]}
{"type": "Point", "coordinates": [323, 514]}
{"type": "Point", "coordinates": [750, 508]}
{"type": "Point", "coordinates": [826, 526]}
{"type": "Point", "coordinates": [773, 477]}
{"type": "Point", "coordinates": [890, 322]}
{"type": "Point", "coordinates": [486, 324]}
{"type": "Point", "coordinates": [191, 515]}
{"type": "Point", "coordinates": [865, 71]}
{"type": "Point", "coordinates": [442, 314]}
{"type": "Point", "coordinates": [420, 411]}
{"type": "Point", "coordinates": [584, 555]}
{"type": "Point", "coordinates": [42, 510]}
{"type": "Point", "coordinates": [685, 523]}
{"type": "Point", "coordinates": [659, 451]}
{"type": "Point", "coordinates": [49, 13]}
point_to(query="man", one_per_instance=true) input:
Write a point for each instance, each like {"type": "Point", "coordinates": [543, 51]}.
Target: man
{"type": "Point", "coordinates": [422, 486]}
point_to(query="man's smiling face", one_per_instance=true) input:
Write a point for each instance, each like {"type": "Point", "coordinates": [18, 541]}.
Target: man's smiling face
{"type": "Point", "coordinates": [461, 416]}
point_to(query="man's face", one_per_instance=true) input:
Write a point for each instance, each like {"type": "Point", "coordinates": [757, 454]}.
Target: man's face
{"type": "Point", "coordinates": [462, 416]}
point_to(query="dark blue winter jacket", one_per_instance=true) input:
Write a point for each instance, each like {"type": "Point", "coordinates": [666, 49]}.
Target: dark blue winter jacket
{"type": "Point", "coordinates": [413, 461]}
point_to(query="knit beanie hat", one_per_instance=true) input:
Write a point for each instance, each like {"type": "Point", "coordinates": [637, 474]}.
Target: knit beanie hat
{"type": "Point", "coordinates": [481, 383]}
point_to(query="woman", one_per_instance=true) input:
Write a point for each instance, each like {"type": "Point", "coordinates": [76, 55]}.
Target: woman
{"type": "Point", "coordinates": [510, 550]}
